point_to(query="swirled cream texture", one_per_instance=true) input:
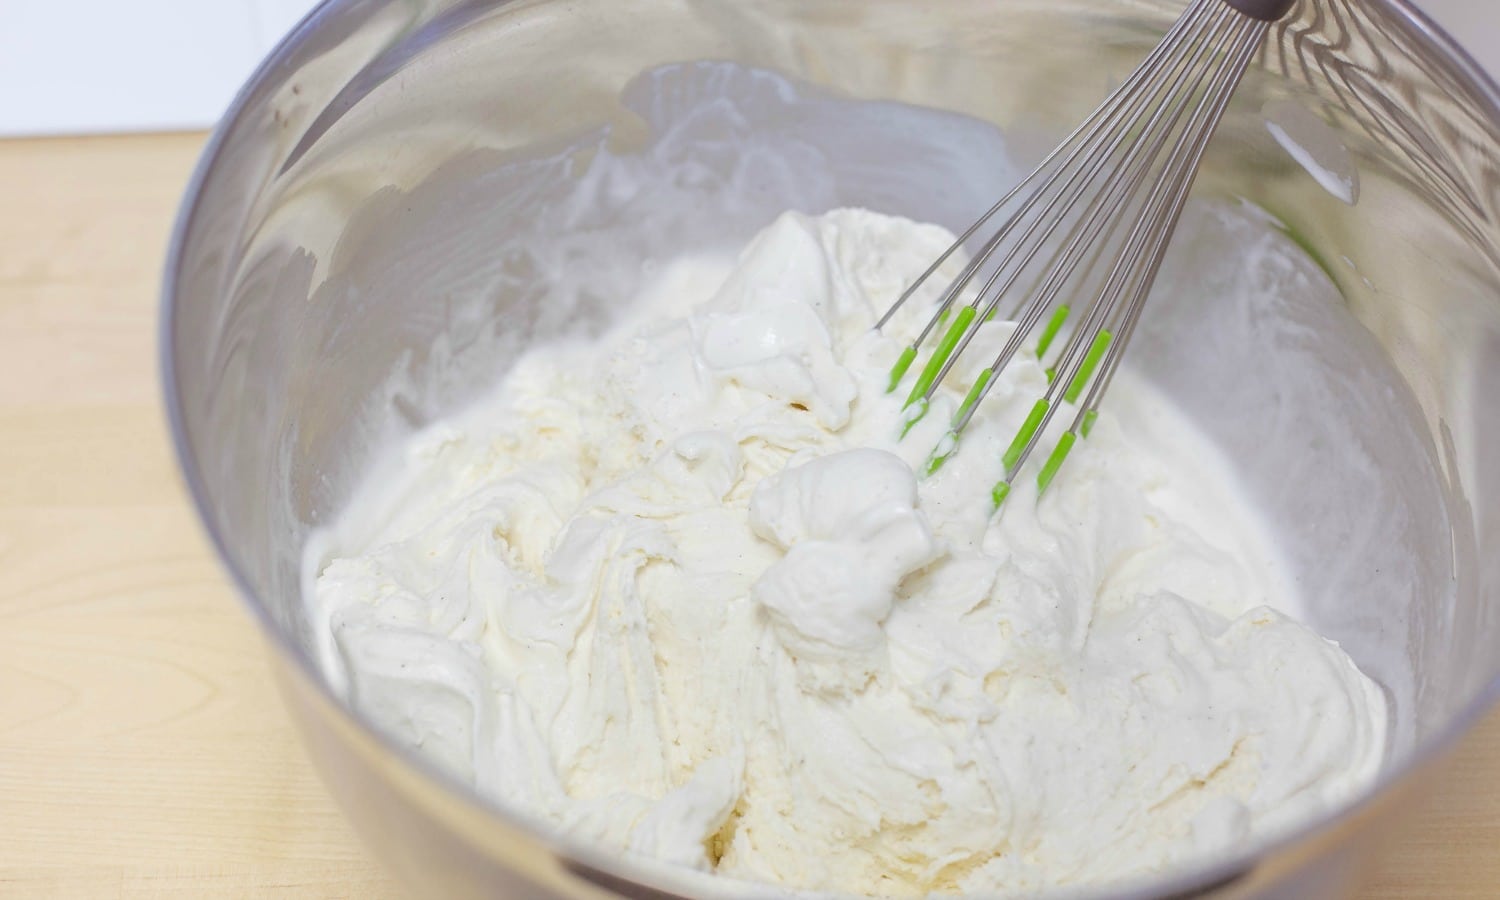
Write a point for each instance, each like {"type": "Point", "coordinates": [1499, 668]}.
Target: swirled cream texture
{"type": "Point", "coordinates": [679, 591]}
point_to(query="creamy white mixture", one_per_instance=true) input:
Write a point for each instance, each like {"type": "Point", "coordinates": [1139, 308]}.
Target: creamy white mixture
{"type": "Point", "coordinates": [679, 591]}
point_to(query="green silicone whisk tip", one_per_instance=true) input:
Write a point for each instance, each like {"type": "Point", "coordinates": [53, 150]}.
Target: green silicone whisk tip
{"type": "Point", "coordinates": [903, 362]}
{"type": "Point", "coordinates": [941, 452]}
{"type": "Point", "coordinates": [1054, 325]}
{"type": "Point", "coordinates": [1023, 437]}
{"type": "Point", "coordinates": [1054, 462]}
{"type": "Point", "coordinates": [912, 413]}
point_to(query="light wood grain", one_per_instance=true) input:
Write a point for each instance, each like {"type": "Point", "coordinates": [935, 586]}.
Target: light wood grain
{"type": "Point", "coordinates": [143, 751]}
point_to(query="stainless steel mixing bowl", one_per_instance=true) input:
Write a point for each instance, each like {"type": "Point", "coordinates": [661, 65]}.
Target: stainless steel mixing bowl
{"type": "Point", "coordinates": [338, 259]}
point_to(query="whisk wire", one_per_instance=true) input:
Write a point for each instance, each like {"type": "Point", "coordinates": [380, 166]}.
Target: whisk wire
{"type": "Point", "coordinates": [1158, 253]}
{"type": "Point", "coordinates": [1102, 213]}
{"type": "Point", "coordinates": [1072, 144]}
{"type": "Point", "coordinates": [1093, 183]}
{"type": "Point", "coordinates": [1060, 207]}
{"type": "Point", "coordinates": [1153, 229]}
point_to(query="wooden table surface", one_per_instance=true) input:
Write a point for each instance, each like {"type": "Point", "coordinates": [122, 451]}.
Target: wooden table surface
{"type": "Point", "coordinates": [143, 750]}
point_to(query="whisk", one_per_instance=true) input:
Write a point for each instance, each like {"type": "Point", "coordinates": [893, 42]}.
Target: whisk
{"type": "Point", "coordinates": [1113, 190]}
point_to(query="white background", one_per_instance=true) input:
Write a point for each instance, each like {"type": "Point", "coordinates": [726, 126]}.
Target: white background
{"type": "Point", "coordinates": [70, 66]}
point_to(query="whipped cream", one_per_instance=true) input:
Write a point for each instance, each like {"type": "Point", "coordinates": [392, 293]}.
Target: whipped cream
{"type": "Point", "coordinates": [680, 591]}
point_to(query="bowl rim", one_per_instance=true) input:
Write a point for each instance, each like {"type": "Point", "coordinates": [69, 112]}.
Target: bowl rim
{"type": "Point", "coordinates": [1204, 874]}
